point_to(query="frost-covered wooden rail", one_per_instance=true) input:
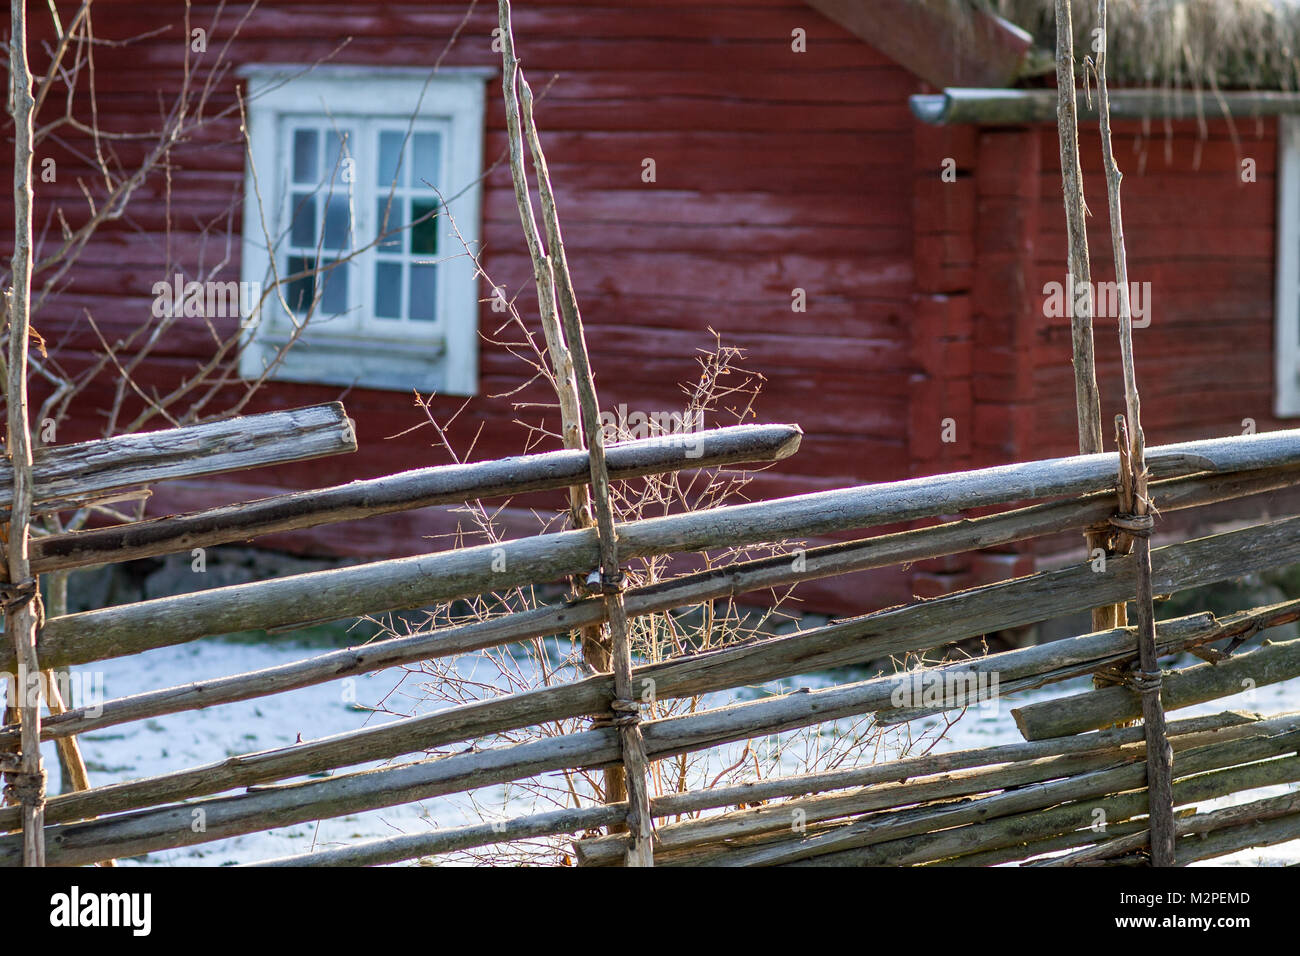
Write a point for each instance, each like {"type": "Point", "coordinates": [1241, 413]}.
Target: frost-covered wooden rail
{"type": "Point", "coordinates": [1014, 803]}
{"type": "Point", "coordinates": [67, 476]}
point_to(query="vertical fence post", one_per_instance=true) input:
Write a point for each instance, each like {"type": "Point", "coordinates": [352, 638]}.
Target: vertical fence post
{"type": "Point", "coordinates": [555, 285]}
{"type": "Point", "coordinates": [626, 711]}
{"type": "Point", "coordinates": [1138, 519]}
{"type": "Point", "coordinates": [21, 594]}
{"type": "Point", "coordinates": [595, 652]}
{"type": "Point", "coordinates": [1087, 398]}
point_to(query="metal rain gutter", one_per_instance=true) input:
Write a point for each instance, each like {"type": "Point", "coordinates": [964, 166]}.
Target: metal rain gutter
{"type": "Point", "coordinates": [1002, 107]}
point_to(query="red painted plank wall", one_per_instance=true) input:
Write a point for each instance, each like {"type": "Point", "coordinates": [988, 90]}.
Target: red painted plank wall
{"type": "Point", "coordinates": [1205, 240]}
{"type": "Point", "coordinates": [775, 170]}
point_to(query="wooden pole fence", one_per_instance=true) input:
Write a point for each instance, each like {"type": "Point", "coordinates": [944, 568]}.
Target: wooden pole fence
{"type": "Point", "coordinates": [64, 475]}
{"type": "Point", "coordinates": [407, 490]}
{"type": "Point", "coordinates": [414, 582]}
{"type": "Point", "coordinates": [406, 847]}
{"type": "Point", "coordinates": [1180, 688]}
{"type": "Point", "coordinates": [730, 581]}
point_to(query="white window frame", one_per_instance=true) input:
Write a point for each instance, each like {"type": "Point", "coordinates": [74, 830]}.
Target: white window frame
{"type": "Point", "coordinates": [439, 356]}
{"type": "Point", "coordinates": [1286, 346]}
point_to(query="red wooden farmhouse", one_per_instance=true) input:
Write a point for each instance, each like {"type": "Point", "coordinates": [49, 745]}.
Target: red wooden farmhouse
{"type": "Point", "coordinates": [864, 196]}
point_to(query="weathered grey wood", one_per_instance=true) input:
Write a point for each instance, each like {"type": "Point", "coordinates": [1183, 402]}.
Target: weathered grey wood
{"type": "Point", "coordinates": [1026, 828]}
{"type": "Point", "coordinates": [154, 829]}
{"type": "Point", "coordinates": [1242, 813]}
{"type": "Point", "coordinates": [636, 767]}
{"type": "Point", "coordinates": [1010, 830]}
{"type": "Point", "coordinates": [408, 847]}
{"type": "Point", "coordinates": [915, 788]}
{"type": "Point", "coordinates": [663, 738]}
{"type": "Point", "coordinates": [418, 581]}
{"type": "Point", "coordinates": [881, 828]}
{"type": "Point", "coordinates": [1181, 688]}
{"type": "Point", "coordinates": [70, 473]}
{"type": "Point", "coordinates": [734, 580]}
{"type": "Point", "coordinates": [1134, 488]}
{"type": "Point", "coordinates": [419, 488]}
{"type": "Point", "coordinates": [1087, 397]}
{"type": "Point", "coordinates": [1132, 833]}
{"type": "Point", "coordinates": [21, 613]}
{"type": "Point", "coordinates": [1020, 853]}
{"type": "Point", "coordinates": [836, 644]}
{"type": "Point", "coordinates": [395, 849]}
{"type": "Point", "coordinates": [1268, 832]}
{"type": "Point", "coordinates": [693, 841]}
{"type": "Point", "coordinates": [1076, 659]}
{"type": "Point", "coordinates": [283, 805]}
{"type": "Point", "coordinates": [525, 709]}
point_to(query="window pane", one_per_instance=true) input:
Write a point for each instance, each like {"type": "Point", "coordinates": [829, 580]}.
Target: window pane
{"type": "Point", "coordinates": [425, 169]}
{"type": "Point", "coordinates": [304, 155]}
{"type": "Point", "coordinates": [390, 154]}
{"type": "Point", "coordinates": [300, 292]}
{"type": "Point", "coordinates": [334, 288]}
{"type": "Point", "coordinates": [393, 225]}
{"type": "Point", "coordinates": [338, 149]}
{"type": "Point", "coordinates": [424, 235]}
{"type": "Point", "coordinates": [303, 233]}
{"type": "Point", "coordinates": [338, 223]}
{"type": "Point", "coordinates": [388, 290]}
{"type": "Point", "coordinates": [424, 299]}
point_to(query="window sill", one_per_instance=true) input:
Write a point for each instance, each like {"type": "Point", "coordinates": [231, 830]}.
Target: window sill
{"type": "Point", "coordinates": [360, 363]}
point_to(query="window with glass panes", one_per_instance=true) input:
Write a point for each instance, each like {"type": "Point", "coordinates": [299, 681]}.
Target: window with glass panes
{"type": "Point", "coordinates": [320, 215]}
{"type": "Point", "coordinates": [406, 216]}
{"type": "Point", "coordinates": [392, 277]}
{"type": "Point", "coordinates": [374, 281]}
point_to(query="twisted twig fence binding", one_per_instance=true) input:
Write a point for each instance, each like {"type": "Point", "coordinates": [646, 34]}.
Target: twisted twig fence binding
{"type": "Point", "coordinates": [135, 817]}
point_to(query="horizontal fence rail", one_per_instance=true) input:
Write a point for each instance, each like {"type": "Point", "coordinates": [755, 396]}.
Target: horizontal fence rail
{"type": "Point", "coordinates": [404, 491]}
{"type": "Point", "coordinates": [733, 580]}
{"type": "Point", "coordinates": [396, 849]}
{"type": "Point", "coordinates": [64, 475]}
{"type": "Point", "coordinates": [414, 582]}
{"type": "Point", "coordinates": [1058, 660]}
{"type": "Point", "coordinates": [998, 804]}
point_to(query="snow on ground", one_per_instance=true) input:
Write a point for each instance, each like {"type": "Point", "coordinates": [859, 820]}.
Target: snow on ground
{"type": "Point", "coordinates": [178, 741]}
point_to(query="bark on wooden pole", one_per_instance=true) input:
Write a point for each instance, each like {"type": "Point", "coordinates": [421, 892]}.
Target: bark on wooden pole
{"type": "Point", "coordinates": [1137, 521]}
{"type": "Point", "coordinates": [395, 849]}
{"type": "Point", "coordinates": [21, 595]}
{"type": "Point", "coordinates": [729, 582]}
{"type": "Point", "coordinates": [1087, 398]}
{"type": "Point", "coordinates": [66, 475]}
{"type": "Point", "coordinates": [596, 653]}
{"type": "Point", "coordinates": [1266, 809]}
{"type": "Point", "coordinates": [625, 706]}
{"type": "Point", "coordinates": [1017, 830]}
{"type": "Point", "coordinates": [148, 830]}
{"type": "Point", "coordinates": [1181, 688]}
{"type": "Point", "coordinates": [405, 583]}
{"type": "Point", "coordinates": [486, 718]}
{"type": "Point", "coordinates": [407, 490]}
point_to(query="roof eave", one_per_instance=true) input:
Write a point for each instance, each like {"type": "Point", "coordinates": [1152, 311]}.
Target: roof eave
{"type": "Point", "coordinates": [938, 43]}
